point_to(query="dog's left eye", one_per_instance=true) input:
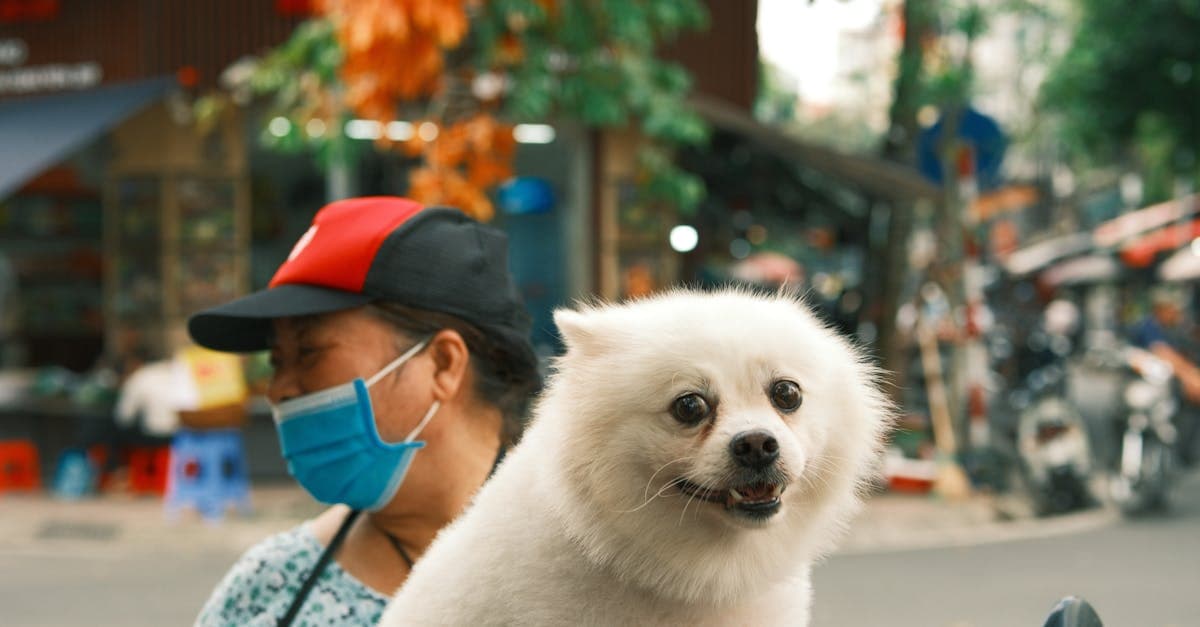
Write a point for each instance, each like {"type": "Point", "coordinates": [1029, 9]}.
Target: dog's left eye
{"type": "Point", "coordinates": [786, 396]}
{"type": "Point", "coordinates": [690, 409]}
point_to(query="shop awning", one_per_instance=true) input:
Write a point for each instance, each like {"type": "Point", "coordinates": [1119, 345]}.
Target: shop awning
{"type": "Point", "coordinates": [36, 133]}
{"type": "Point", "coordinates": [876, 176]}
{"type": "Point", "coordinates": [1183, 265]}
{"type": "Point", "coordinates": [1134, 223]}
{"type": "Point", "coordinates": [1039, 255]}
{"type": "Point", "coordinates": [1142, 251]}
{"type": "Point", "coordinates": [1086, 269]}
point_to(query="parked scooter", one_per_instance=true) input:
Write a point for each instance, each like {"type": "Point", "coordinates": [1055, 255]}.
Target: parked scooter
{"type": "Point", "coordinates": [1052, 444]}
{"type": "Point", "coordinates": [1052, 439]}
{"type": "Point", "coordinates": [1145, 459]}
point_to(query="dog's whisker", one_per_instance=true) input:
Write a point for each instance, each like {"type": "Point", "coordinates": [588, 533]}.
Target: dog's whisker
{"type": "Point", "coordinates": [691, 497]}
{"type": "Point", "coordinates": [685, 507]}
{"type": "Point", "coordinates": [670, 484]}
{"type": "Point", "coordinates": [723, 480]}
{"type": "Point", "coordinates": [829, 457]}
{"type": "Point", "coordinates": [811, 478]}
{"type": "Point", "coordinates": [661, 468]}
{"type": "Point", "coordinates": [823, 468]}
{"type": "Point", "coordinates": [646, 496]}
{"type": "Point", "coordinates": [704, 487]}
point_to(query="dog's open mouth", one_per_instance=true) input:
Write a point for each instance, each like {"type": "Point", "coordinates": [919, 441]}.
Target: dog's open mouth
{"type": "Point", "coordinates": [757, 500]}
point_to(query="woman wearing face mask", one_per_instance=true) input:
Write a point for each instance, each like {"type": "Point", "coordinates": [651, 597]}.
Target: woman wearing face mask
{"type": "Point", "coordinates": [402, 369]}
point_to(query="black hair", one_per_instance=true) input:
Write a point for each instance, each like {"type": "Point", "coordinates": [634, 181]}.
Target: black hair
{"type": "Point", "coordinates": [506, 375]}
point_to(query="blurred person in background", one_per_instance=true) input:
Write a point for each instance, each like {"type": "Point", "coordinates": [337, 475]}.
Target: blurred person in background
{"type": "Point", "coordinates": [1161, 332]}
{"type": "Point", "coordinates": [402, 370]}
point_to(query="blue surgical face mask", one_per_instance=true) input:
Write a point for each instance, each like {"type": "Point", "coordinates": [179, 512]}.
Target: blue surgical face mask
{"type": "Point", "coordinates": [333, 448]}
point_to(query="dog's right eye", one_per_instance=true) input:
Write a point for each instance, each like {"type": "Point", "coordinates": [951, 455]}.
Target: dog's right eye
{"type": "Point", "coordinates": [690, 409]}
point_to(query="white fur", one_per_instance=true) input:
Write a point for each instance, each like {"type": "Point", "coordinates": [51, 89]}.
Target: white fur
{"type": "Point", "coordinates": [581, 524]}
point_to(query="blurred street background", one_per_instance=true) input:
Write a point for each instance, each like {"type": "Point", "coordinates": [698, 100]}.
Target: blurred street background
{"type": "Point", "coordinates": [995, 199]}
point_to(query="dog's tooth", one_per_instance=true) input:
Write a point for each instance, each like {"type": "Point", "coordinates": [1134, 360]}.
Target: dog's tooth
{"type": "Point", "coordinates": [737, 497]}
{"type": "Point", "coordinates": [777, 491]}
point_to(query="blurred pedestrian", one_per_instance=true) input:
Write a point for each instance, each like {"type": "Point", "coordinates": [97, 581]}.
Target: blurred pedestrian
{"type": "Point", "coordinates": [393, 329]}
{"type": "Point", "coordinates": [1160, 332]}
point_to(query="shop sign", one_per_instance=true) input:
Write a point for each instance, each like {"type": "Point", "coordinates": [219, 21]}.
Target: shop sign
{"type": "Point", "coordinates": [16, 79]}
{"type": "Point", "coordinates": [59, 76]}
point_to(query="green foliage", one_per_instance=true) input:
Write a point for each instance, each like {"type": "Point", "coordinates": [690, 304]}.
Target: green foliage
{"type": "Point", "coordinates": [594, 61]}
{"type": "Point", "coordinates": [948, 78]}
{"type": "Point", "coordinates": [301, 79]}
{"type": "Point", "coordinates": [971, 21]}
{"type": "Point", "coordinates": [667, 184]}
{"type": "Point", "coordinates": [775, 102]}
{"type": "Point", "coordinates": [587, 60]}
{"type": "Point", "coordinates": [1130, 83]}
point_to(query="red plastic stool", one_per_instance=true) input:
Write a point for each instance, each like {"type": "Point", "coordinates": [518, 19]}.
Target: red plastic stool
{"type": "Point", "coordinates": [149, 467]}
{"type": "Point", "coordinates": [19, 467]}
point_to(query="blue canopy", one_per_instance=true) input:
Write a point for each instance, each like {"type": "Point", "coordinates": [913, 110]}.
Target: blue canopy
{"type": "Point", "coordinates": [36, 133]}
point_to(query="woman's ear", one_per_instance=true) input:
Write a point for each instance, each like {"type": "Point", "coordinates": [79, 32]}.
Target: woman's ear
{"type": "Point", "coordinates": [451, 359]}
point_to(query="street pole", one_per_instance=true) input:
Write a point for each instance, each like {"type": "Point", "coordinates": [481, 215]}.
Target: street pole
{"type": "Point", "coordinates": [339, 175]}
{"type": "Point", "coordinates": [952, 480]}
{"type": "Point", "coordinates": [918, 19]}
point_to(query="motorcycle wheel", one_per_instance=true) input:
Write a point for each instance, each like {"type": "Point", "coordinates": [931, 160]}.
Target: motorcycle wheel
{"type": "Point", "coordinates": [1156, 468]}
{"type": "Point", "coordinates": [1148, 493]}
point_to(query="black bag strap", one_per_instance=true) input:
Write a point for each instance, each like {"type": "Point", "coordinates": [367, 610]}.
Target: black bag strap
{"type": "Point", "coordinates": [318, 568]}
{"type": "Point", "coordinates": [332, 549]}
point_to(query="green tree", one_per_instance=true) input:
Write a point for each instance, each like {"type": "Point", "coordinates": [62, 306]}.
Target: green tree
{"type": "Point", "coordinates": [517, 60]}
{"type": "Point", "coordinates": [1127, 91]}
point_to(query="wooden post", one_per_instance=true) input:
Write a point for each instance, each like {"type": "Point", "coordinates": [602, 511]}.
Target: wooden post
{"type": "Point", "coordinates": [951, 481]}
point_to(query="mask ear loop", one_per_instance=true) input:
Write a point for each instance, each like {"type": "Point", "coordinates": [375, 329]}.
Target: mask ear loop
{"type": "Point", "coordinates": [396, 363]}
{"type": "Point", "coordinates": [424, 421]}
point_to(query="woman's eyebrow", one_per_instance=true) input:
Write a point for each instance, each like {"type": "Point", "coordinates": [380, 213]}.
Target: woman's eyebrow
{"type": "Point", "coordinates": [303, 325]}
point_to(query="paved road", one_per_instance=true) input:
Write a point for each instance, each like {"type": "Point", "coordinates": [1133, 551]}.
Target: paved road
{"type": "Point", "coordinates": [1143, 573]}
{"type": "Point", "coordinates": [1137, 572]}
{"type": "Point", "coordinates": [59, 589]}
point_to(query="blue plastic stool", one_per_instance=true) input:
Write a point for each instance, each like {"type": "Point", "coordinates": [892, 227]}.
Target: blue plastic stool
{"type": "Point", "coordinates": [74, 476]}
{"type": "Point", "coordinates": [208, 473]}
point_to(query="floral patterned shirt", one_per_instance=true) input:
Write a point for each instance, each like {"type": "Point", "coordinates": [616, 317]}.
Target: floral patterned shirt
{"type": "Point", "coordinates": [260, 587]}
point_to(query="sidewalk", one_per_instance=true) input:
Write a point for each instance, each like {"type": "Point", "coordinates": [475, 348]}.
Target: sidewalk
{"type": "Point", "coordinates": [117, 524]}
{"type": "Point", "coordinates": [901, 522]}
{"type": "Point", "coordinates": [120, 525]}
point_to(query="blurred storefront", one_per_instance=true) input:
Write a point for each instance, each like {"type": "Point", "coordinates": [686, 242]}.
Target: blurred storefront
{"type": "Point", "coordinates": [777, 207]}
{"type": "Point", "coordinates": [119, 213]}
{"type": "Point", "coordinates": [632, 251]}
{"type": "Point", "coordinates": [163, 217]}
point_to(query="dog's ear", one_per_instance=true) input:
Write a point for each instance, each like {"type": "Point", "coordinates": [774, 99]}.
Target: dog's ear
{"type": "Point", "coordinates": [577, 328]}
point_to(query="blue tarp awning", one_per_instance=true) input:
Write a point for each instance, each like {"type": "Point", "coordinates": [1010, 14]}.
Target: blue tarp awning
{"type": "Point", "coordinates": [36, 133]}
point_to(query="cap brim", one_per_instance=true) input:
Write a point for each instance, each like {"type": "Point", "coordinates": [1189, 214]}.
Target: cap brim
{"type": "Point", "coordinates": [243, 325]}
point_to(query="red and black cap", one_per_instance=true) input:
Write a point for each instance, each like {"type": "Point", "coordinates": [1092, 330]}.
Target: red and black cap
{"type": "Point", "coordinates": [379, 249]}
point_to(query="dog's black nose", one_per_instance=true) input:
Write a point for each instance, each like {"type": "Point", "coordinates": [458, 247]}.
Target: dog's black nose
{"type": "Point", "coordinates": [754, 449]}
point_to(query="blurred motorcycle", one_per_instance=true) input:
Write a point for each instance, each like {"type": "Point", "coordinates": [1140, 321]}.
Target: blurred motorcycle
{"type": "Point", "coordinates": [1052, 444]}
{"type": "Point", "coordinates": [1145, 455]}
{"type": "Point", "coordinates": [1051, 436]}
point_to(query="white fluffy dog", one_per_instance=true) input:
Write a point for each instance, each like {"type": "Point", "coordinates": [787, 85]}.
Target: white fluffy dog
{"type": "Point", "coordinates": [692, 456]}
